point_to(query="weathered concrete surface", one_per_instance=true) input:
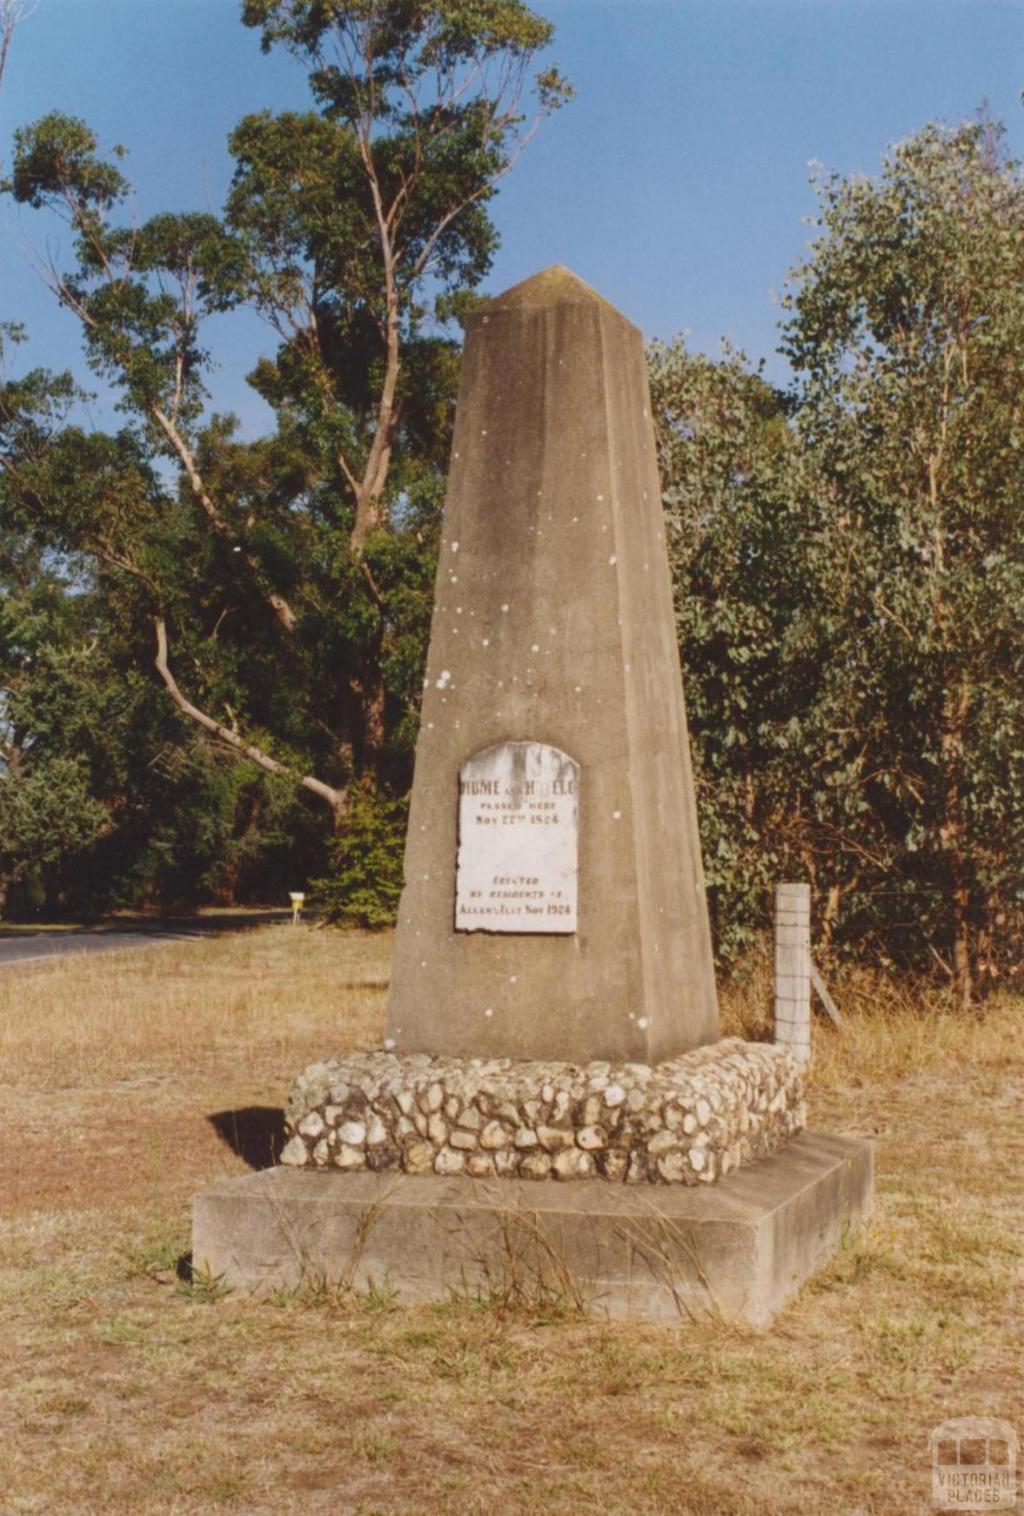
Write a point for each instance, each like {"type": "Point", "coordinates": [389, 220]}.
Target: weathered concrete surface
{"type": "Point", "coordinates": [553, 622]}
{"type": "Point", "coordinates": [739, 1249]}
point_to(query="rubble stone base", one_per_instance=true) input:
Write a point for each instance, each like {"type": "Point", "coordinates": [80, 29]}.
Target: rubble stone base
{"type": "Point", "coordinates": [690, 1120]}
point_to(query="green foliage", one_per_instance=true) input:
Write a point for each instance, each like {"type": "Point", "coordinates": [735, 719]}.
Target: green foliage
{"type": "Point", "coordinates": [231, 833]}
{"type": "Point", "coordinates": [103, 798]}
{"type": "Point", "coordinates": [365, 882]}
{"type": "Point", "coordinates": [55, 161]}
{"type": "Point", "coordinates": [851, 572]}
{"type": "Point", "coordinates": [291, 577]}
{"type": "Point", "coordinates": [53, 724]}
{"type": "Point", "coordinates": [47, 816]}
{"type": "Point", "coordinates": [139, 292]}
{"type": "Point", "coordinates": [741, 525]}
{"type": "Point", "coordinates": [907, 328]}
{"type": "Point", "coordinates": [399, 43]}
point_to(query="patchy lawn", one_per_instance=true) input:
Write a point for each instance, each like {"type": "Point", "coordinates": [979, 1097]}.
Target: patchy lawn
{"type": "Point", "coordinates": [129, 1081]}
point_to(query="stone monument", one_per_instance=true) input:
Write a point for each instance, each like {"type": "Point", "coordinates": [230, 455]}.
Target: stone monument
{"type": "Point", "coordinates": [552, 1012]}
{"type": "Point", "coordinates": [553, 760]}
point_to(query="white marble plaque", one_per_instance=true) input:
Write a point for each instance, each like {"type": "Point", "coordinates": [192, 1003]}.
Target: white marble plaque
{"type": "Point", "coordinates": [518, 831]}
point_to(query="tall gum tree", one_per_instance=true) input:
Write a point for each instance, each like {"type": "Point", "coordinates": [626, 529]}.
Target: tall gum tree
{"type": "Point", "coordinates": [906, 330]}
{"type": "Point", "coordinates": [356, 230]}
{"type": "Point", "coordinates": [741, 507]}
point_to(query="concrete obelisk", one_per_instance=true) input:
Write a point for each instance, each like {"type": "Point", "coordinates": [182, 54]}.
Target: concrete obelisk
{"type": "Point", "coordinates": [554, 903]}
{"type": "Point", "coordinates": [553, 914]}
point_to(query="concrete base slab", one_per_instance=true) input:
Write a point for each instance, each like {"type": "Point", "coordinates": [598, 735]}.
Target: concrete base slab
{"type": "Point", "coordinates": [738, 1250]}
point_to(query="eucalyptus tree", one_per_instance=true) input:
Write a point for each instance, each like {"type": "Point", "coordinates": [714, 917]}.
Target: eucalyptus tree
{"type": "Point", "coordinates": [742, 515]}
{"type": "Point", "coordinates": [49, 814]}
{"type": "Point", "coordinates": [286, 581]}
{"type": "Point", "coordinates": [46, 811]}
{"type": "Point", "coordinates": [906, 329]}
{"type": "Point", "coordinates": [850, 567]}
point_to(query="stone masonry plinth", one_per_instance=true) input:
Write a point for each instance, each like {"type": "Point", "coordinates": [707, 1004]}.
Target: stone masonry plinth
{"type": "Point", "coordinates": [690, 1120]}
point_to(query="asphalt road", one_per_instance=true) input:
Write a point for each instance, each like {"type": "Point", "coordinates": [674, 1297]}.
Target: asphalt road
{"type": "Point", "coordinates": [29, 944]}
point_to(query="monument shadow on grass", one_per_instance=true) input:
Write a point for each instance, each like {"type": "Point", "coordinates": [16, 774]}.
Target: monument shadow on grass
{"type": "Point", "coordinates": [255, 1132]}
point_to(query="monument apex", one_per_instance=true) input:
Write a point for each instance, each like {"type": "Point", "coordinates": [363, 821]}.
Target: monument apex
{"type": "Point", "coordinates": [555, 285]}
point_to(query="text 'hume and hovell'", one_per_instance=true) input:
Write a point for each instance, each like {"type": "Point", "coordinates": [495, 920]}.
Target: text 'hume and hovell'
{"type": "Point", "coordinates": [518, 840]}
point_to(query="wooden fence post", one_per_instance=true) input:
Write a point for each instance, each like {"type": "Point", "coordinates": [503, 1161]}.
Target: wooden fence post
{"type": "Point", "coordinates": [793, 968]}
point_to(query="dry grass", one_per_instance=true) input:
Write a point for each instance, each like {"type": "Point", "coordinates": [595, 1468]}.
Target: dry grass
{"type": "Point", "coordinates": [268, 994]}
{"type": "Point", "coordinates": [892, 1029]}
{"type": "Point", "coordinates": [124, 1390]}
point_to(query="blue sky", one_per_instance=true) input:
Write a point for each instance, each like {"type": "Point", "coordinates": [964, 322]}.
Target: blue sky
{"type": "Point", "coordinates": [676, 183]}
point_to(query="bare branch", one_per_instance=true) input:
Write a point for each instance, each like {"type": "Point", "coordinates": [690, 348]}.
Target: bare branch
{"type": "Point", "coordinates": [168, 424]}
{"type": "Point", "coordinates": [116, 560]}
{"type": "Point", "coordinates": [12, 13]}
{"type": "Point", "coordinates": [374, 587]}
{"type": "Point", "coordinates": [282, 610]}
{"type": "Point", "coordinates": [336, 799]}
{"type": "Point", "coordinates": [423, 261]}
